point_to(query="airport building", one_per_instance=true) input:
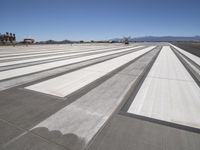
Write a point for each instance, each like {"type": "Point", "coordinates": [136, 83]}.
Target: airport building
{"type": "Point", "coordinates": [29, 41]}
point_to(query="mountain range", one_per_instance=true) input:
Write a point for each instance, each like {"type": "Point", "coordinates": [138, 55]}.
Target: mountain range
{"type": "Point", "coordinates": [161, 39]}
{"type": "Point", "coordinates": [137, 39]}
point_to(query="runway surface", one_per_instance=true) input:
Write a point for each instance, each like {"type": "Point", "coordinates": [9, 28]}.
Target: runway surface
{"type": "Point", "coordinates": [45, 66]}
{"type": "Point", "coordinates": [168, 86]}
{"type": "Point", "coordinates": [99, 96]}
{"type": "Point", "coordinates": [71, 82]}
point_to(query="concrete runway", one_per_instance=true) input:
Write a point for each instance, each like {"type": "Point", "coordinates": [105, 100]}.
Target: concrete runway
{"type": "Point", "coordinates": [99, 96]}
{"type": "Point", "coordinates": [36, 68]}
{"type": "Point", "coordinates": [168, 86]}
{"type": "Point", "coordinates": [13, 57]}
{"type": "Point", "coordinates": [66, 84]}
{"type": "Point", "coordinates": [62, 55]}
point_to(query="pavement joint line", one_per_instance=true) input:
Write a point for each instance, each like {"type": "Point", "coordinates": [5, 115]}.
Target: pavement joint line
{"type": "Point", "coordinates": [27, 132]}
{"type": "Point", "coordinates": [49, 141]}
{"type": "Point", "coordinates": [14, 139]}
{"type": "Point", "coordinates": [161, 122]}
{"type": "Point", "coordinates": [11, 124]}
{"type": "Point", "coordinates": [15, 126]}
{"type": "Point", "coordinates": [169, 79]}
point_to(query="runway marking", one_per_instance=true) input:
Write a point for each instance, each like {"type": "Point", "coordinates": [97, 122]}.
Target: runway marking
{"type": "Point", "coordinates": [66, 84]}
{"type": "Point", "coordinates": [194, 58]}
{"type": "Point", "coordinates": [168, 93]}
{"type": "Point", "coordinates": [55, 71]}
{"type": "Point", "coordinates": [55, 52]}
{"type": "Point", "coordinates": [36, 51]}
{"type": "Point", "coordinates": [51, 57]}
{"type": "Point", "coordinates": [28, 50]}
{"type": "Point", "coordinates": [41, 67]}
{"type": "Point", "coordinates": [86, 116]}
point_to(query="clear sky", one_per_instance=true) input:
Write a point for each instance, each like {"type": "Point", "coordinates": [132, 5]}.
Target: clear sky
{"type": "Point", "coordinates": [99, 19]}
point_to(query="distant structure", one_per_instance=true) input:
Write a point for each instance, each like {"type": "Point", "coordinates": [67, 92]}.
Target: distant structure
{"type": "Point", "coordinates": [112, 41]}
{"type": "Point", "coordinates": [126, 40]}
{"type": "Point", "coordinates": [29, 41]}
{"type": "Point", "coordinates": [7, 38]}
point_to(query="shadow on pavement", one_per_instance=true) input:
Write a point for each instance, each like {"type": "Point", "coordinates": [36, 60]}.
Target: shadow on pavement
{"type": "Point", "coordinates": [43, 139]}
{"type": "Point", "coordinates": [70, 140]}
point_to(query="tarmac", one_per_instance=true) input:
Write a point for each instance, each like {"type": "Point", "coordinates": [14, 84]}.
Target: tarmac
{"type": "Point", "coordinates": [99, 97]}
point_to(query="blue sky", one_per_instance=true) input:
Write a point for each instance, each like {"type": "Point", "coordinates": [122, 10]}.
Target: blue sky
{"type": "Point", "coordinates": [99, 19]}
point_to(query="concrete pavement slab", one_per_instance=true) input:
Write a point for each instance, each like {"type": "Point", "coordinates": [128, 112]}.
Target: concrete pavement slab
{"type": "Point", "coordinates": [57, 71]}
{"type": "Point", "coordinates": [126, 133]}
{"type": "Point", "coordinates": [64, 85]}
{"type": "Point", "coordinates": [168, 86]}
{"type": "Point", "coordinates": [41, 67]}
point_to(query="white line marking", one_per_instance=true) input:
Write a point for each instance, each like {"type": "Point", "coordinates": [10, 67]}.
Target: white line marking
{"type": "Point", "coordinates": [38, 50]}
{"type": "Point", "coordinates": [17, 56]}
{"type": "Point", "coordinates": [41, 67]}
{"type": "Point", "coordinates": [66, 84]}
{"type": "Point", "coordinates": [168, 93]}
{"type": "Point", "coordinates": [194, 58]}
{"type": "Point", "coordinates": [51, 57]}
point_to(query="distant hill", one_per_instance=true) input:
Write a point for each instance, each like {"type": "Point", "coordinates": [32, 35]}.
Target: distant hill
{"type": "Point", "coordinates": [137, 39]}
{"type": "Point", "coordinates": [55, 42]}
{"type": "Point", "coordinates": [161, 39]}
